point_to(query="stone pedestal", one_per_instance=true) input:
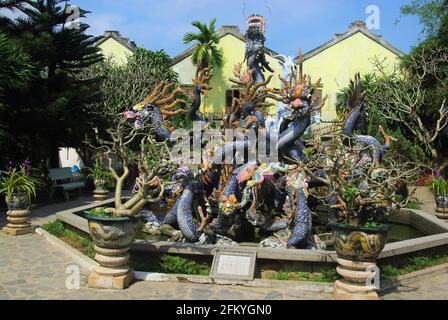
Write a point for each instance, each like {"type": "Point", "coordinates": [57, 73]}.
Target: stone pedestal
{"type": "Point", "coordinates": [354, 285]}
{"type": "Point", "coordinates": [100, 195]}
{"type": "Point", "coordinates": [113, 271]}
{"type": "Point", "coordinates": [441, 213]}
{"type": "Point", "coordinates": [18, 223]}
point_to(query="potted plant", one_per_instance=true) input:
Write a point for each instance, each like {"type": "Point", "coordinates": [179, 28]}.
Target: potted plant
{"type": "Point", "coordinates": [439, 187]}
{"type": "Point", "coordinates": [102, 178]}
{"type": "Point", "coordinates": [19, 185]}
{"type": "Point", "coordinates": [134, 145]}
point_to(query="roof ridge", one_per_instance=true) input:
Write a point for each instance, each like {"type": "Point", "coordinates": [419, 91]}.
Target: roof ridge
{"type": "Point", "coordinates": [114, 34]}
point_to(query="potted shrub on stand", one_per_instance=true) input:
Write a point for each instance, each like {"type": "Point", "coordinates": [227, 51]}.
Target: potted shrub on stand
{"type": "Point", "coordinates": [113, 229]}
{"type": "Point", "coordinates": [439, 187]}
{"type": "Point", "coordinates": [361, 194]}
{"type": "Point", "coordinates": [102, 178]}
{"type": "Point", "coordinates": [19, 186]}
{"type": "Point", "coordinates": [362, 187]}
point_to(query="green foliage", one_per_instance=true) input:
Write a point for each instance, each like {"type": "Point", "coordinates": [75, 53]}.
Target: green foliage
{"type": "Point", "coordinates": [414, 205]}
{"type": "Point", "coordinates": [180, 265]}
{"type": "Point", "coordinates": [439, 186]}
{"type": "Point", "coordinates": [349, 195]}
{"type": "Point", "coordinates": [125, 85]}
{"type": "Point", "coordinates": [50, 111]}
{"type": "Point", "coordinates": [324, 276]}
{"type": "Point", "coordinates": [429, 12]}
{"type": "Point", "coordinates": [16, 181]}
{"type": "Point", "coordinates": [98, 212]}
{"type": "Point", "coordinates": [55, 228]}
{"type": "Point", "coordinates": [16, 67]}
{"type": "Point", "coordinates": [206, 52]}
{"type": "Point", "coordinates": [98, 172]}
{"type": "Point", "coordinates": [413, 264]}
{"type": "Point", "coordinates": [75, 239]}
{"type": "Point", "coordinates": [405, 148]}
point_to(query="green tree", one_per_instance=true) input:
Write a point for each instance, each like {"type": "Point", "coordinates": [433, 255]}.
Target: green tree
{"type": "Point", "coordinates": [52, 111]}
{"type": "Point", "coordinates": [16, 67]}
{"type": "Point", "coordinates": [123, 86]}
{"type": "Point", "coordinates": [429, 12]}
{"type": "Point", "coordinates": [206, 52]}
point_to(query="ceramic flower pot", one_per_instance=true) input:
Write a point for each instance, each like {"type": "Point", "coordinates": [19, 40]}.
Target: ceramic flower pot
{"type": "Point", "coordinates": [111, 232]}
{"type": "Point", "coordinates": [358, 243]}
{"type": "Point", "coordinates": [442, 203]}
{"type": "Point", "coordinates": [101, 185]}
{"type": "Point", "coordinates": [112, 238]}
{"type": "Point", "coordinates": [18, 201]}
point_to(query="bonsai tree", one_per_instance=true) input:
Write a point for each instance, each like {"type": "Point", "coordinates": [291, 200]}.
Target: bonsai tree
{"type": "Point", "coordinates": [359, 191]}
{"type": "Point", "coordinates": [140, 144]}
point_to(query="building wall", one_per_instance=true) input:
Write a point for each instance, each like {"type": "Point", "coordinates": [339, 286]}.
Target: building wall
{"type": "Point", "coordinates": [234, 51]}
{"type": "Point", "coordinates": [339, 63]}
{"type": "Point", "coordinates": [115, 50]}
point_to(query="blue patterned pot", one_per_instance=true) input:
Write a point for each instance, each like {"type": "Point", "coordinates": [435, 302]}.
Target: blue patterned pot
{"type": "Point", "coordinates": [442, 203]}
{"type": "Point", "coordinates": [358, 243]}
{"type": "Point", "coordinates": [112, 232]}
{"type": "Point", "coordinates": [18, 201]}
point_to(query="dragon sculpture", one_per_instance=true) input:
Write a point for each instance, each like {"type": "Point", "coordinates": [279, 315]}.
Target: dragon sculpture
{"type": "Point", "coordinates": [255, 50]}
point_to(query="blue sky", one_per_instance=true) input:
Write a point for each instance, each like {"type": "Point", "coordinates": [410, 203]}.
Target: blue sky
{"type": "Point", "coordinates": [161, 24]}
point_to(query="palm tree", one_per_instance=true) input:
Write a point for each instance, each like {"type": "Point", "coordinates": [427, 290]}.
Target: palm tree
{"type": "Point", "coordinates": [206, 52]}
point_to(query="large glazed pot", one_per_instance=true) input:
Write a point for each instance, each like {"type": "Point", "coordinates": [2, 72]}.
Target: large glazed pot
{"type": "Point", "coordinates": [358, 243]}
{"type": "Point", "coordinates": [18, 201]}
{"type": "Point", "coordinates": [112, 238]}
{"type": "Point", "coordinates": [111, 233]}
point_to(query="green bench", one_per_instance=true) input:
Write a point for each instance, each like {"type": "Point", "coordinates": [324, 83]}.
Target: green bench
{"type": "Point", "coordinates": [62, 179]}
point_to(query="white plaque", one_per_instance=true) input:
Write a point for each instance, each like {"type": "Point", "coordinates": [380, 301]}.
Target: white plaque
{"type": "Point", "coordinates": [234, 265]}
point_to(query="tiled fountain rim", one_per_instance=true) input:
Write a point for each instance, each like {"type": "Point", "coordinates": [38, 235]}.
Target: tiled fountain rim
{"type": "Point", "coordinates": [417, 218]}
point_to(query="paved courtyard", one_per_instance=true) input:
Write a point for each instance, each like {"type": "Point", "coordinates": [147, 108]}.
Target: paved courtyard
{"type": "Point", "coordinates": [31, 268]}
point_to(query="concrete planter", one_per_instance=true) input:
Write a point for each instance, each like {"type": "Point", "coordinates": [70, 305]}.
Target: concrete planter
{"type": "Point", "coordinates": [112, 238]}
{"type": "Point", "coordinates": [357, 249]}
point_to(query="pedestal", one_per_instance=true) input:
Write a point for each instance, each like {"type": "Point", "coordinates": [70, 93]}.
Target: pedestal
{"type": "Point", "coordinates": [354, 284]}
{"type": "Point", "coordinates": [441, 213]}
{"type": "Point", "coordinates": [100, 195]}
{"type": "Point", "coordinates": [18, 223]}
{"type": "Point", "coordinates": [113, 271]}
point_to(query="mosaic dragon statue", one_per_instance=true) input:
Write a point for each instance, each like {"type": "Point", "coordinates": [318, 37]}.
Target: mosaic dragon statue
{"type": "Point", "coordinates": [255, 50]}
{"type": "Point", "coordinates": [356, 120]}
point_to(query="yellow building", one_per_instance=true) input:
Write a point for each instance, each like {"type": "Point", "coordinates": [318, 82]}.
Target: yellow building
{"type": "Point", "coordinates": [336, 62]}
{"type": "Point", "coordinates": [233, 45]}
{"type": "Point", "coordinates": [115, 47]}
